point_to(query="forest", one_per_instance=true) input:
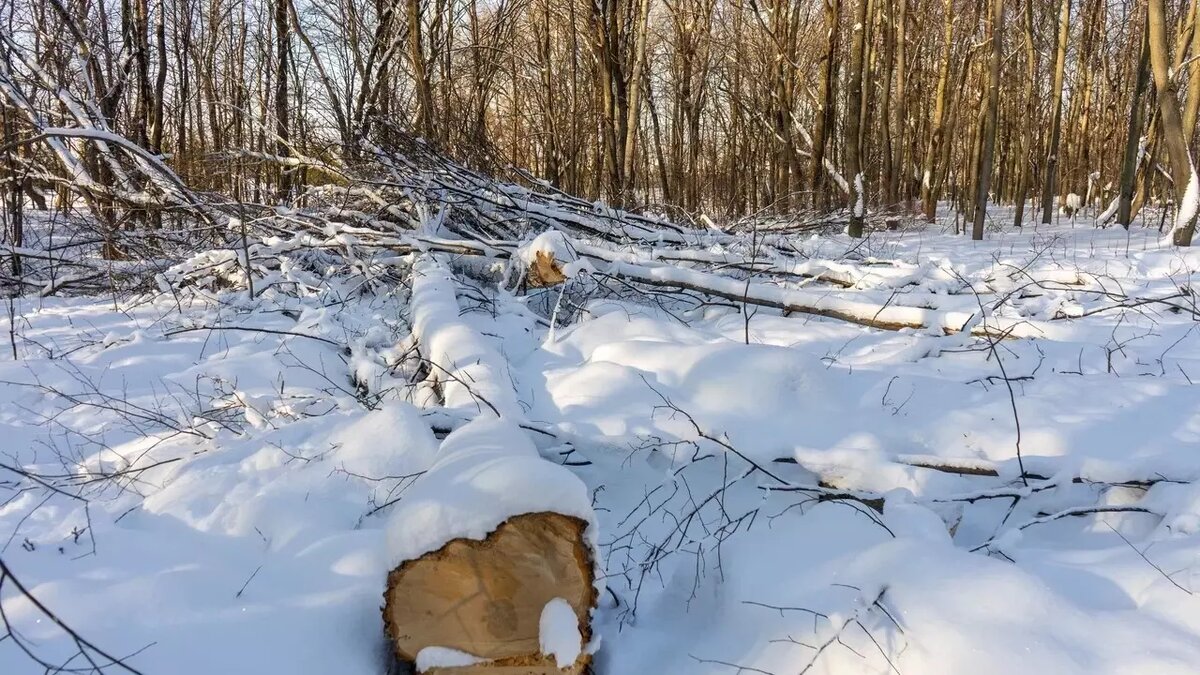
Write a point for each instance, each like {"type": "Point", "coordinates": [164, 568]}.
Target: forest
{"type": "Point", "coordinates": [688, 108]}
{"type": "Point", "coordinates": [608, 337]}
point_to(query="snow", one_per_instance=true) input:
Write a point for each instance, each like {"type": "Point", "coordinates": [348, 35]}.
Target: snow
{"type": "Point", "coordinates": [908, 520]}
{"type": "Point", "coordinates": [1190, 203]}
{"type": "Point", "coordinates": [552, 243]}
{"type": "Point", "coordinates": [858, 208]}
{"type": "Point", "coordinates": [837, 177]}
{"type": "Point", "coordinates": [266, 494]}
{"type": "Point", "coordinates": [558, 633]}
{"type": "Point", "coordinates": [1111, 210]}
{"type": "Point", "coordinates": [391, 441]}
{"type": "Point", "coordinates": [471, 372]}
{"type": "Point", "coordinates": [815, 301]}
{"type": "Point", "coordinates": [444, 657]}
{"type": "Point", "coordinates": [486, 472]}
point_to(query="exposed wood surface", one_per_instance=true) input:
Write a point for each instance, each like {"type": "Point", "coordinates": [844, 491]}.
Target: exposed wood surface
{"type": "Point", "coordinates": [486, 597]}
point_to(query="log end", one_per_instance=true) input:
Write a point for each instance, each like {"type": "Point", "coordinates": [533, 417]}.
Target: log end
{"type": "Point", "coordinates": [545, 271]}
{"type": "Point", "coordinates": [485, 597]}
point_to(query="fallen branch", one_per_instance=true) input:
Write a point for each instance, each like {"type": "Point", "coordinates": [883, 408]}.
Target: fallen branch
{"type": "Point", "coordinates": [817, 303]}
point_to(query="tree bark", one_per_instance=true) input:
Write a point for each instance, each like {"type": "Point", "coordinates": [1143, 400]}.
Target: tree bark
{"type": "Point", "coordinates": [826, 104]}
{"type": "Point", "coordinates": [988, 145]}
{"type": "Point", "coordinates": [282, 128]}
{"type": "Point", "coordinates": [1027, 134]}
{"type": "Point", "coordinates": [854, 97]}
{"type": "Point", "coordinates": [1172, 124]}
{"type": "Point", "coordinates": [1129, 162]}
{"type": "Point", "coordinates": [420, 66]}
{"type": "Point", "coordinates": [1060, 60]}
{"type": "Point", "coordinates": [937, 132]}
{"type": "Point", "coordinates": [902, 172]}
{"type": "Point", "coordinates": [1193, 90]}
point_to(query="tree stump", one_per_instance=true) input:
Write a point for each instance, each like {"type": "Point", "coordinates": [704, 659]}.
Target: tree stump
{"type": "Point", "coordinates": [485, 598]}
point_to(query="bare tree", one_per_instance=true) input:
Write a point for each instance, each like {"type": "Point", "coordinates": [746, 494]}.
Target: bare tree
{"type": "Point", "coordinates": [1056, 92]}
{"type": "Point", "coordinates": [854, 100]}
{"type": "Point", "coordinates": [988, 144]}
{"type": "Point", "coordinates": [1183, 174]}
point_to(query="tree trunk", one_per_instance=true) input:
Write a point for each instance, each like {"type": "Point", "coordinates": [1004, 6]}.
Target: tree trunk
{"type": "Point", "coordinates": [1027, 133]}
{"type": "Point", "coordinates": [854, 97]}
{"type": "Point", "coordinates": [282, 129]}
{"type": "Point", "coordinates": [1129, 162]}
{"type": "Point", "coordinates": [12, 190]}
{"type": "Point", "coordinates": [632, 111]}
{"type": "Point", "coordinates": [416, 55]}
{"type": "Point", "coordinates": [901, 170]}
{"type": "Point", "coordinates": [1193, 90]}
{"type": "Point", "coordinates": [826, 104]}
{"type": "Point", "coordinates": [937, 132]}
{"type": "Point", "coordinates": [1060, 60]}
{"type": "Point", "coordinates": [988, 145]}
{"type": "Point", "coordinates": [486, 598]}
{"type": "Point", "coordinates": [1182, 172]}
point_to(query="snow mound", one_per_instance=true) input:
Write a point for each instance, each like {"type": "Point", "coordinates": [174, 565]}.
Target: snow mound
{"type": "Point", "coordinates": [486, 472]}
{"type": "Point", "coordinates": [390, 442]}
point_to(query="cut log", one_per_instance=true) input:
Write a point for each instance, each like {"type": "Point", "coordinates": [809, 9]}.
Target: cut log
{"type": "Point", "coordinates": [493, 552]}
{"type": "Point", "coordinates": [545, 259]}
{"type": "Point", "coordinates": [467, 371]}
{"type": "Point", "coordinates": [545, 271]}
{"type": "Point", "coordinates": [485, 598]}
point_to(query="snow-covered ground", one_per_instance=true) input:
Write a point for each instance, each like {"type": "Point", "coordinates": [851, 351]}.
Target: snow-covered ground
{"type": "Point", "coordinates": [774, 494]}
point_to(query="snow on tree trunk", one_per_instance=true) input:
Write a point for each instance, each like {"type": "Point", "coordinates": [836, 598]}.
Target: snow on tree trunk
{"type": "Point", "coordinates": [492, 532]}
{"type": "Point", "coordinates": [1185, 219]}
{"type": "Point", "coordinates": [859, 210]}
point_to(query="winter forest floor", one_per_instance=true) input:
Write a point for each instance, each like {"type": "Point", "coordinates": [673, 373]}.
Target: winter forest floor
{"type": "Point", "coordinates": [213, 474]}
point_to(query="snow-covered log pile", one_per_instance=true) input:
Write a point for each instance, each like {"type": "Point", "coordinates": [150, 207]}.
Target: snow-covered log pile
{"type": "Point", "coordinates": [426, 202]}
{"type": "Point", "coordinates": [390, 202]}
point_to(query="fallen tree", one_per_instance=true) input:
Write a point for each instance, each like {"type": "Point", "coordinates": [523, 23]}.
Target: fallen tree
{"type": "Point", "coordinates": [818, 303]}
{"type": "Point", "coordinates": [464, 371]}
{"type": "Point", "coordinates": [494, 547]}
